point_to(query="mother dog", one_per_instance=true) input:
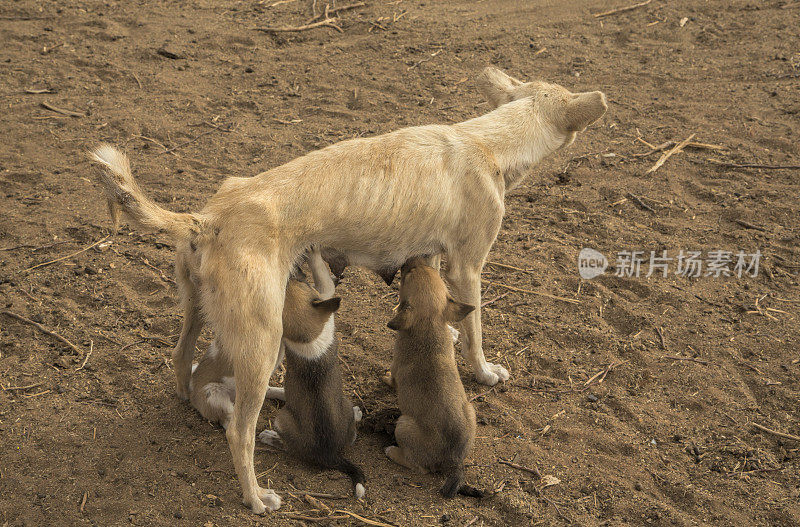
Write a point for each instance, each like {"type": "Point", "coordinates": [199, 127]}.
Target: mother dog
{"type": "Point", "coordinates": [423, 190]}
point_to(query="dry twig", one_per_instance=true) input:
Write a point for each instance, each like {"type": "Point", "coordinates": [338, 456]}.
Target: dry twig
{"type": "Point", "coordinates": [43, 330]}
{"type": "Point", "coordinates": [98, 242]}
{"type": "Point", "coordinates": [534, 470]}
{"type": "Point", "coordinates": [677, 148]}
{"type": "Point", "coordinates": [622, 9]}
{"type": "Point", "coordinates": [636, 199]}
{"type": "Point", "coordinates": [62, 111]}
{"type": "Point", "coordinates": [753, 165]}
{"type": "Point", "coordinates": [326, 22]}
{"type": "Point", "coordinates": [774, 432]}
{"type": "Point", "coordinates": [506, 266]}
{"type": "Point", "coordinates": [363, 520]}
{"type": "Point", "coordinates": [532, 292]}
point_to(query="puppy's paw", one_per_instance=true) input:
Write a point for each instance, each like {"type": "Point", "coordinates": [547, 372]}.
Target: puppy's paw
{"type": "Point", "coordinates": [276, 393]}
{"type": "Point", "coordinates": [271, 438]}
{"type": "Point", "coordinates": [357, 414]}
{"type": "Point", "coordinates": [183, 391]}
{"type": "Point", "coordinates": [391, 451]}
{"type": "Point", "coordinates": [270, 499]}
{"type": "Point", "coordinates": [453, 333]}
{"type": "Point", "coordinates": [491, 374]}
{"type": "Point", "coordinates": [388, 380]}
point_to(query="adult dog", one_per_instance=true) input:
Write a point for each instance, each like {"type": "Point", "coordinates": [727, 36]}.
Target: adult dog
{"type": "Point", "coordinates": [422, 190]}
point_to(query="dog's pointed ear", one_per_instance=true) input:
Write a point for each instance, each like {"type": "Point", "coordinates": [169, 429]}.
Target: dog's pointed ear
{"type": "Point", "coordinates": [456, 311]}
{"type": "Point", "coordinates": [401, 320]}
{"type": "Point", "coordinates": [388, 274]}
{"type": "Point", "coordinates": [497, 86]}
{"type": "Point", "coordinates": [584, 109]}
{"type": "Point", "coordinates": [330, 305]}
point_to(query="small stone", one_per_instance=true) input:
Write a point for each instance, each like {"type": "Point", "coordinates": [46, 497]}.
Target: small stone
{"type": "Point", "coordinates": [445, 518]}
{"type": "Point", "coordinates": [178, 515]}
{"type": "Point", "coordinates": [592, 397]}
{"type": "Point", "coordinates": [637, 486]}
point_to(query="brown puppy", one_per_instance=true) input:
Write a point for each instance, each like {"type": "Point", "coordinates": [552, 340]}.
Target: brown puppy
{"type": "Point", "coordinates": [437, 426]}
{"type": "Point", "coordinates": [318, 421]}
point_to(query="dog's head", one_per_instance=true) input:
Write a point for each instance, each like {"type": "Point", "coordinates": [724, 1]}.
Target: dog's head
{"type": "Point", "coordinates": [568, 112]}
{"type": "Point", "coordinates": [424, 297]}
{"type": "Point", "coordinates": [305, 313]}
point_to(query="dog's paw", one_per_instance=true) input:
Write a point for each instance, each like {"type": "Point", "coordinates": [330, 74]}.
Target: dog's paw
{"type": "Point", "coordinates": [492, 374]}
{"type": "Point", "coordinates": [453, 333]}
{"type": "Point", "coordinates": [270, 499]}
{"type": "Point", "coordinates": [276, 393]}
{"type": "Point", "coordinates": [357, 414]}
{"type": "Point", "coordinates": [271, 438]}
{"type": "Point", "coordinates": [256, 505]}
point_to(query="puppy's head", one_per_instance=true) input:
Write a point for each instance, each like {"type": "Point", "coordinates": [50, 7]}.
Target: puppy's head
{"type": "Point", "coordinates": [305, 313]}
{"type": "Point", "coordinates": [424, 297]}
{"type": "Point", "coordinates": [568, 112]}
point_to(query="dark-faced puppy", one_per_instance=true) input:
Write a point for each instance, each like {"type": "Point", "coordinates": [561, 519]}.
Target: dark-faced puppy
{"type": "Point", "coordinates": [318, 421]}
{"type": "Point", "coordinates": [437, 427]}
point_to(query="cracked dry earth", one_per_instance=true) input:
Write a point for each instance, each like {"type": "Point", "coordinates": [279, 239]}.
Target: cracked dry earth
{"type": "Point", "coordinates": [665, 439]}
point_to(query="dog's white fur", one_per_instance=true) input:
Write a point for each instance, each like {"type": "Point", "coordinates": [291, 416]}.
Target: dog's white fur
{"type": "Point", "coordinates": [422, 190]}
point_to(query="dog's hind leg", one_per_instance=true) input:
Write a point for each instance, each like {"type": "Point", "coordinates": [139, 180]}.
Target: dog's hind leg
{"type": "Point", "coordinates": [245, 304]}
{"type": "Point", "coordinates": [192, 324]}
{"type": "Point", "coordinates": [465, 282]}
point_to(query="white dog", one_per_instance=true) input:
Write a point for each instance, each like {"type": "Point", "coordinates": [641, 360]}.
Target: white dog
{"type": "Point", "coordinates": [423, 190]}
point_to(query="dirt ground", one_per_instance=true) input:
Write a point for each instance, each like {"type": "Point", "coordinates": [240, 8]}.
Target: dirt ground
{"type": "Point", "coordinates": [102, 439]}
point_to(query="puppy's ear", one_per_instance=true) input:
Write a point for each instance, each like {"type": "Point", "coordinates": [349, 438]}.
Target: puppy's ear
{"type": "Point", "coordinates": [456, 311]}
{"type": "Point", "coordinates": [330, 305]}
{"type": "Point", "coordinates": [496, 86]}
{"type": "Point", "coordinates": [402, 320]}
{"type": "Point", "coordinates": [584, 109]}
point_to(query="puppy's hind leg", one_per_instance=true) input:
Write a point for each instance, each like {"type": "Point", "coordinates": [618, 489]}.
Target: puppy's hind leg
{"type": "Point", "coordinates": [192, 324]}
{"type": "Point", "coordinates": [411, 443]}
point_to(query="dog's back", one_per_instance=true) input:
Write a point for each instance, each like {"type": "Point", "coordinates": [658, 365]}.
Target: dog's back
{"type": "Point", "coordinates": [437, 428]}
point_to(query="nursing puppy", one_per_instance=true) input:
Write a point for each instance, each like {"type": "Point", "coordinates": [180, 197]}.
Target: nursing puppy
{"type": "Point", "coordinates": [376, 200]}
{"type": "Point", "coordinates": [212, 388]}
{"type": "Point", "coordinates": [318, 421]}
{"type": "Point", "coordinates": [437, 427]}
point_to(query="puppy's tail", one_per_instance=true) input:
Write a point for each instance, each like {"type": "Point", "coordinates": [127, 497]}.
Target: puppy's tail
{"type": "Point", "coordinates": [355, 474]}
{"type": "Point", "coordinates": [455, 484]}
{"type": "Point", "coordinates": [455, 478]}
{"type": "Point", "coordinates": [124, 194]}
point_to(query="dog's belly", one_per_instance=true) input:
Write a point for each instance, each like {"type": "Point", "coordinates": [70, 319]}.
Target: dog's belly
{"type": "Point", "coordinates": [385, 264]}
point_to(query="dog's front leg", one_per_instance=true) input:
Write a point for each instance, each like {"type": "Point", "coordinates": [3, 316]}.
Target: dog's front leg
{"type": "Point", "coordinates": [465, 281]}
{"type": "Point", "coordinates": [192, 325]}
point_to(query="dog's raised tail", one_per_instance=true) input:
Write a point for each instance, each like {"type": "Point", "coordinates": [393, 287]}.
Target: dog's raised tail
{"type": "Point", "coordinates": [124, 194]}
{"type": "Point", "coordinates": [355, 474]}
